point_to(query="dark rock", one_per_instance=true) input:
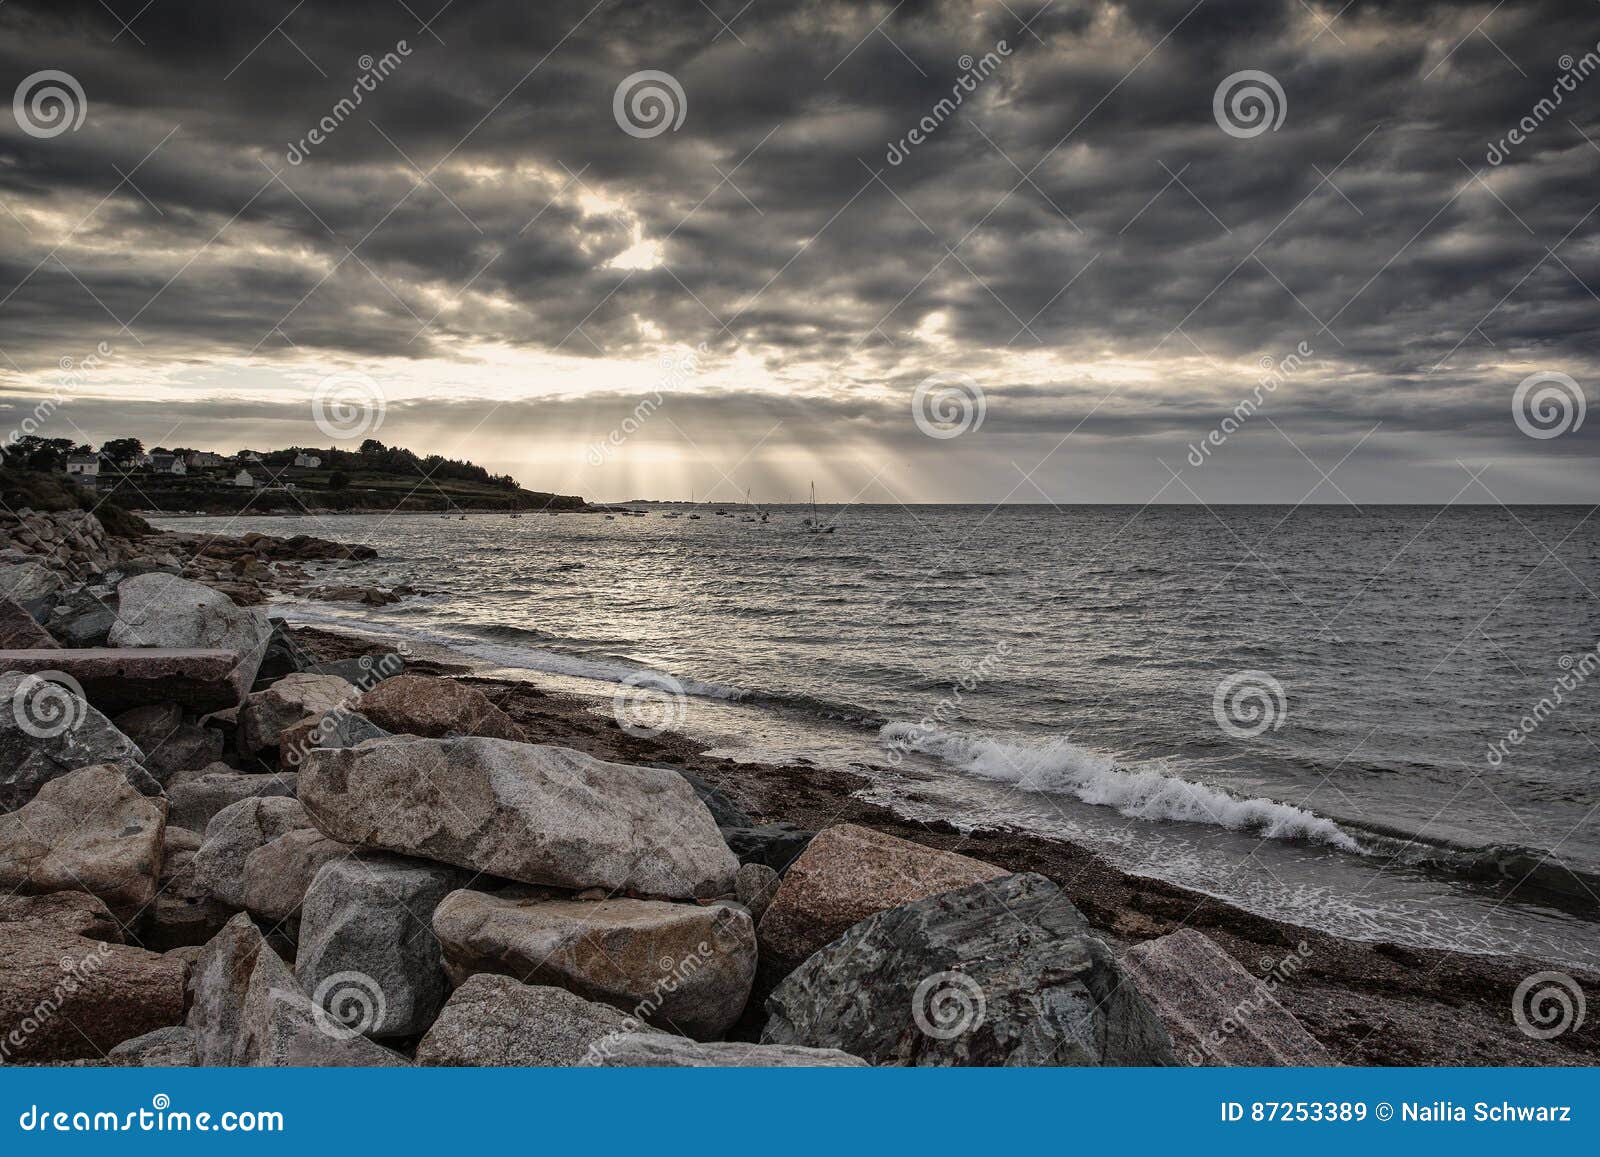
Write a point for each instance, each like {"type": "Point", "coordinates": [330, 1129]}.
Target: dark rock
{"type": "Point", "coordinates": [117, 678]}
{"type": "Point", "coordinates": [284, 655]}
{"type": "Point", "coordinates": [1005, 972]}
{"type": "Point", "coordinates": [722, 809]}
{"type": "Point", "coordinates": [81, 618]}
{"type": "Point", "coordinates": [777, 845]}
{"type": "Point", "coordinates": [171, 744]}
{"type": "Point", "coordinates": [46, 731]}
{"type": "Point", "coordinates": [363, 671]}
{"type": "Point", "coordinates": [19, 631]}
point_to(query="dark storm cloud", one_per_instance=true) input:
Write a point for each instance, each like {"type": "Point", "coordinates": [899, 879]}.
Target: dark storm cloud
{"type": "Point", "coordinates": [1371, 224]}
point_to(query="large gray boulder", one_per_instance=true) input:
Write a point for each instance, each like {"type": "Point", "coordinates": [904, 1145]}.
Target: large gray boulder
{"type": "Point", "coordinates": [220, 980]}
{"type": "Point", "coordinates": [249, 1010]}
{"type": "Point", "coordinates": [541, 815]}
{"type": "Point", "coordinates": [46, 730]}
{"type": "Point", "coordinates": [278, 873]}
{"type": "Point", "coordinates": [235, 832]}
{"type": "Point", "coordinates": [372, 916]}
{"type": "Point", "coordinates": [494, 1021]}
{"type": "Point", "coordinates": [87, 831]}
{"type": "Point", "coordinates": [1005, 972]}
{"type": "Point", "coordinates": [681, 967]}
{"type": "Point", "coordinates": [282, 1027]}
{"type": "Point", "coordinates": [161, 610]}
{"type": "Point", "coordinates": [661, 1050]}
{"type": "Point", "coordinates": [1216, 1012]}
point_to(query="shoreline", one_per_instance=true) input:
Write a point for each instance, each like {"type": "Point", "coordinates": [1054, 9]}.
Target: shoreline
{"type": "Point", "coordinates": [1369, 1003]}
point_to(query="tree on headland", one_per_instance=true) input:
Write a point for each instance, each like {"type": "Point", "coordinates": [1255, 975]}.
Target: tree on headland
{"type": "Point", "coordinates": [372, 446]}
{"type": "Point", "coordinates": [120, 450]}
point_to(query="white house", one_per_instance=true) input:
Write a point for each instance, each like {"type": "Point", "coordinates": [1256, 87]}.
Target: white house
{"type": "Point", "coordinates": [202, 459]}
{"type": "Point", "coordinates": [245, 480]}
{"type": "Point", "coordinates": [307, 461]}
{"type": "Point", "coordinates": [84, 466]}
{"type": "Point", "coordinates": [168, 464]}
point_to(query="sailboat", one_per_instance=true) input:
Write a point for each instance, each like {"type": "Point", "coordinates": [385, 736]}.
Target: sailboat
{"type": "Point", "coordinates": [813, 526]}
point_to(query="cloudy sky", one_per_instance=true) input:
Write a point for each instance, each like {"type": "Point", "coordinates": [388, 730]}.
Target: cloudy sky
{"type": "Point", "coordinates": [790, 253]}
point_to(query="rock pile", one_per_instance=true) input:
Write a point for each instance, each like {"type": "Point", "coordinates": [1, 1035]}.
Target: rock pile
{"type": "Point", "coordinates": [255, 862]}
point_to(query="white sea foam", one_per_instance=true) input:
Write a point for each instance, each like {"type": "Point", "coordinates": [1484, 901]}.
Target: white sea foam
{"type": "Point", "coordinates": [1063, 767]}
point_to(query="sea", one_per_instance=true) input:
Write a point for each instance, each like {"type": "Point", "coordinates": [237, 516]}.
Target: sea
{"type": "Point", "coordinates": [1380, 722]}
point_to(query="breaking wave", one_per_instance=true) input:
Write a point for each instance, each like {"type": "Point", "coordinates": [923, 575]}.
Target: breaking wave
{"type": "Point", "coordinates": [1094, 777]}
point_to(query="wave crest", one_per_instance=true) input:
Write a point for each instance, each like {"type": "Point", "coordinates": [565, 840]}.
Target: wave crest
{"type": "Point", "coordinates": [1062, 767]}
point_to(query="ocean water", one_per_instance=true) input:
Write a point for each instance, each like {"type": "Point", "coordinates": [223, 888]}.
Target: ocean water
{"type": "Point", "coordinates": [1295, 710]}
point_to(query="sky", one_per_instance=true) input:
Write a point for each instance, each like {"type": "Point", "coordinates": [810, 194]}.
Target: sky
{"type": "Point", "coordinates": [1174, 251]}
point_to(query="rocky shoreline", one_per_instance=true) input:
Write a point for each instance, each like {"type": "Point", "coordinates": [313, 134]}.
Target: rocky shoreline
{"type": "Point", "coordinates": [225, 841]}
